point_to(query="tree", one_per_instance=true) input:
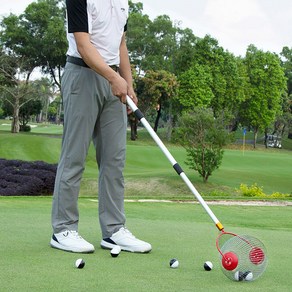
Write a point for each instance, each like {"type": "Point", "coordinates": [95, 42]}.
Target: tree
{"type": "Point", "coordinates": [226, 76]}
{"type": "Point", "coordinates": [266, 86]}
{"type": "Point", "coordinates": [36, 38]}
{"type": "Point", "coordinates": [159, 87]}
{"type": "Point", "coordinates": [54, 114]}
{"type": "Point", "coordinates": [184, 55]}
{"type": "Point", "coordinates": [195, 87]}
{"type": "Point", "coordinates": [138, 36]}
{"type": "Point", "coordinates": [8, 69]}
{"type": "Point", "coordinates": [214, 79]}
{"type": "Point", "coordinates": [29, 109]}
{"type": "Point", "coordinates": [161, 45]}
{"type": "Point", "coordinates": [20, 97]}
{"type": "Point", "coordinates": [287, 64]}
{"type": "Point", "coordinates": [154, 45]}
{"type": "Point", "coordinates": [203, 137]}
{"type": "Point", "coordinates": [287, 107]}
{"type": "Point", "coordinates": [46, 91]}
{"type": "Point", "coordinates": [18, 91]}
{"type": "Point", "coordinates": [38, 35]}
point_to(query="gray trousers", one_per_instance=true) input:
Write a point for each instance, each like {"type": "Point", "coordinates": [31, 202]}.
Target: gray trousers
{"type": "Point", "coordinates": [91, 113]}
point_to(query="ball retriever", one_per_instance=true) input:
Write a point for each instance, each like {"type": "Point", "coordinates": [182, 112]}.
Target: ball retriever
{"type": "Point", "coordinates": [237, 252]}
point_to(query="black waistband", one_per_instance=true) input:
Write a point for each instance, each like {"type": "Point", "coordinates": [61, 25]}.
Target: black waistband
{"type": "Point", "coordinates": [76, 61]}
{"type": "Point", "coordinates": [80, 62]}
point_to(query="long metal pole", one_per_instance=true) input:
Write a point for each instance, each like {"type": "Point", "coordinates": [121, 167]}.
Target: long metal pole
{"type": "Point", "coordinates": [173, 162]}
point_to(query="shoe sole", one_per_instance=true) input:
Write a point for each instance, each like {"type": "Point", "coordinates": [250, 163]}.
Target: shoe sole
{"type": "Point", "coordinates": [106, 245]}
{"type": "Point", "coordinates": [56, 245]}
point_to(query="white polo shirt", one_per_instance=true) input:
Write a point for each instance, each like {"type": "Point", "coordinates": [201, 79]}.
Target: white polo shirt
{"type": "Point", "coordinates": [104, 20]}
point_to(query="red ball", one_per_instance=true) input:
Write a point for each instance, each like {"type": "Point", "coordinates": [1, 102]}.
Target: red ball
{"type": "Point", "coordinates": [229, 261]}
{"type": "Point", "coordinates": [256, 255]}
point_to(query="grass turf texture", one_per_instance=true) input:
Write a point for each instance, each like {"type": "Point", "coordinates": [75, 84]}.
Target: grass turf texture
{"type": "Point", "coordinates": [148, 174]}
{"type": "Point", "coordinates": [183, 231]}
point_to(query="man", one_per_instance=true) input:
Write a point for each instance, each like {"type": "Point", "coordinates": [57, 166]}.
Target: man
{"type": "Point", "coordinates": [95, 83]}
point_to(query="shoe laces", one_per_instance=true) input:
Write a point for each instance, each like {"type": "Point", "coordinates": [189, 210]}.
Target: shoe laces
{"type": "Point", "coordinates": [126, 231]}
{"type": "Point", "coordinates": [73, 233]}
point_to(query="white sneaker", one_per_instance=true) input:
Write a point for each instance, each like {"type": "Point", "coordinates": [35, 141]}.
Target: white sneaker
{"type": "Point", "coordinates": [71, 241]}
{"type": "Point", "coordinates": [127, 241]}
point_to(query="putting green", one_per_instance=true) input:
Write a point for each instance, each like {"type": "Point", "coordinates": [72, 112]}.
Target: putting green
{"type": "Point", "coordinates": [175, 230]}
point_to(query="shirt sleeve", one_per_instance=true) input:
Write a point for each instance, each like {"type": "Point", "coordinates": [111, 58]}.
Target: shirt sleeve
{"type": "Point", "coordinates": [77, 16]}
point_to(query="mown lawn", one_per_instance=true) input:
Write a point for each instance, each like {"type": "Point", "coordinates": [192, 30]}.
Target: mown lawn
{"type": "Point", "coordinates": [175, 230]}
{"type": "Point", "coordinates": [179, 230]}
{"type": "Point", "coordinates": [149, 174]}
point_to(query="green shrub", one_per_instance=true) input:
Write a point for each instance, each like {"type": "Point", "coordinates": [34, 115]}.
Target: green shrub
{"type": "Point", "coordinates": [256, 191]}
{"type": "Point", "coordinates": [278, 195]}
{"type": "Point", "coordinates": [24, 128]}
{"type": "Point", "coordinates": [252, 191]}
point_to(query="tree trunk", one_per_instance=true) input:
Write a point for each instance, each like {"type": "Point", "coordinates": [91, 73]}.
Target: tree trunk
{"type": "Point", "coordinates": [157, 118]}
{"type": "Point", "coordinates": [39, 118]}
{"type": "Point", "coordinates": [266, 138]}
{"type": "Point", "coordinates": [283, 131]}
{"type": "Point", "coordinates": [47, 109]}
{"type": "Point", "coordinates": [59, 113]}
{"type": "Point", "coordinates": [170, 123]}
{"type": "Point", "coordinates": [133, 124]}
{"type": "Point", "coordinates": [15, 121]}
{"type": "Point", "coordinates": [255, 138]}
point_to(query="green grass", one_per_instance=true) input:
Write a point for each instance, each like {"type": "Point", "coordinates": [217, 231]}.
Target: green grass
{"type": "Point", "coordinates": [266, 168]}
{"type": "Point", "coordinates": [176, 230]}
{"type": "Point", "coordinates": [36, 128]}
{"type": "Point", "coordinates": [29, 147]}
{"type": "Point", "coordinates": [148, 173]}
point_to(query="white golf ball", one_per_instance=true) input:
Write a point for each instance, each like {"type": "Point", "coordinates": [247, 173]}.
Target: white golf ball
{"type": "Point", "coordinates": [174, 263]}
{"type": "Point", "coordinates": [115, 251]}
{"type": "Point", "coordinates": [238, 276]}
{"type": "Point", "coordinates": [249, 276]}
{"type": "Point", "coordinates": [79, 264]}
{"type": "Point", "coordinates": [243, 276]}
{"type": "Point", "coordinates": [208, 266]}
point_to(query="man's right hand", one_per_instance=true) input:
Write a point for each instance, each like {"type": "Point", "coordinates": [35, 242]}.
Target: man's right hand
{"type": "Point", "coordinates": [119, 88]}
{"type": "Point", "coordinates": [95, 61]}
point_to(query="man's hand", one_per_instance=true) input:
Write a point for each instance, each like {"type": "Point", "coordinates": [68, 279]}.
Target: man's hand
{"type": "Point", "coordinates": [119, 88]}
{"type": "Point", "coordinates": [95, 61]}
{"type": "Point", "coordinates": [132, 95]}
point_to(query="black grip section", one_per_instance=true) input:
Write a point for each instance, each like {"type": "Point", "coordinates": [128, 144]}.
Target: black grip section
{"type": "Point", "coordinates": [178, 169]}
{"type": "Point", "coordinates": [139, 115]}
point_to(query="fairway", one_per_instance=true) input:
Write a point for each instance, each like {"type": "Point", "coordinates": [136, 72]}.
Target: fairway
{"type": "Point", "coordinates": [148, 174]}
{"type": "Point", "coordinates": [175, 230]}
